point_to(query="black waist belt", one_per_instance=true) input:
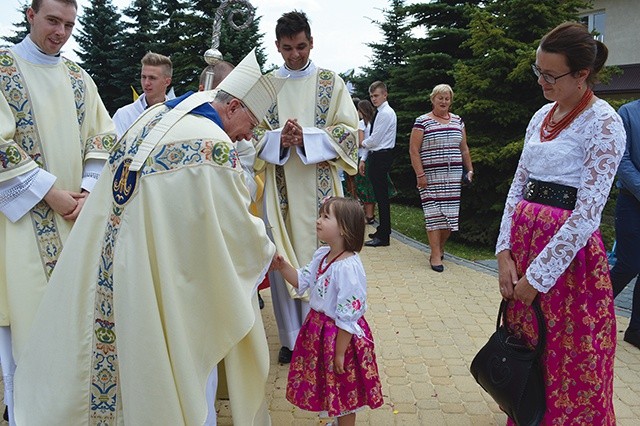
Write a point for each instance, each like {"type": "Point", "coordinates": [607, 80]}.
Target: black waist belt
{"type": "Point", "coordinates": [551, 194]}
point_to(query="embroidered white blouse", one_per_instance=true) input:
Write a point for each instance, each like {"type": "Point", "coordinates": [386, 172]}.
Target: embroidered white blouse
{"type": "Point", "coordinates": [585, 156]}
{"type": "Point", "coordinates": [340, 292]}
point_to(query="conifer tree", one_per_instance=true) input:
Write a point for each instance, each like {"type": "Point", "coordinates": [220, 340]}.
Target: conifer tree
{"type": "Point", "coordinates": [496, 95]}
{"type": "Point", "coordinates": [137, 38]}
{"type": "Point", "coordinates": [21, 29]}
{"type": "Point", "coordinates": [98, 42]}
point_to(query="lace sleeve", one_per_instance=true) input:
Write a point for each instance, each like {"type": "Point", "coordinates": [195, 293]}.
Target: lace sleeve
{"type": "Point", "coordinates": [604, 146]}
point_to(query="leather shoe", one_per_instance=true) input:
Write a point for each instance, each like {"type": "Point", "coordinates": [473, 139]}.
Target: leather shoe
{"type": "Point", "coordinates": [260, 301]}
{"type": "Point", "coordinates": [373, 234]}
{"type": "Point", "coordinates": [633, 337]}
{"type": "Point", "coordinates": [376, 242]}
{"type": "Point", "coordinates": [437, 268]}
{"type": "Point", "coordinates": [284, 356]}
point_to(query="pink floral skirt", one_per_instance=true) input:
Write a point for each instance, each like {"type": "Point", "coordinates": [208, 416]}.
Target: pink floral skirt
{"type": "Point", "coordinates": [580, 319]}
{"type": "Point", "coordinates": [313, 385]}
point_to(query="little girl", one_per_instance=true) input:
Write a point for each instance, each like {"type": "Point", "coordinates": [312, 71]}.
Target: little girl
{"type": "Point", "coordinates": [333, 367]}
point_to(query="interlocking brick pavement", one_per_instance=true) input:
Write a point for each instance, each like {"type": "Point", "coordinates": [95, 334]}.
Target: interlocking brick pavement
{"type": "Point", "coordinates": [427, 327]}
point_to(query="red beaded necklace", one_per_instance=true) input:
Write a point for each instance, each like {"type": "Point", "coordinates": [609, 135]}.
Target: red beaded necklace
{"type": "Point", "coordinates": [448, 117]}
{"type": "Point", "coordinates": [550, 129]}
{"type": "Point", "coordinates": [322, 270]}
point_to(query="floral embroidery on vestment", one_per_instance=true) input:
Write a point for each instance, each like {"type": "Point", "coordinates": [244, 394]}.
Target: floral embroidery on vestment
{"type": "Point", "coordinates": [172, 156]}
{"type": "Point", "coordinates": [27, 146]}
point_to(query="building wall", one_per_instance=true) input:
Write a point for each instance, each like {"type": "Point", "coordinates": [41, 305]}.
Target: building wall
{"type": "Point", "coordinates": [622, 32]}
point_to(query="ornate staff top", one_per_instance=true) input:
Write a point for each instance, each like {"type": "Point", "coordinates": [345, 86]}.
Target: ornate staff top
{"type": "Point", "coordinates": [245, 10]}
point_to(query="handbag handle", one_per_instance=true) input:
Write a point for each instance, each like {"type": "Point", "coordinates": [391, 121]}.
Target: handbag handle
{"type": "Point", "coordinates": [542, 328]}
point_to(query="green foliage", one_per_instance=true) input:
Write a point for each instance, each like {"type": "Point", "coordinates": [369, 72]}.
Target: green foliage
{"type": "Point", "coordinates": [409, 221]}
{"type": "Point", "coordinates": [21, 29]}
{"type": "Point", "coordinates": [112, 45]}
{"type": "Point", "coordinates": [98, 37]}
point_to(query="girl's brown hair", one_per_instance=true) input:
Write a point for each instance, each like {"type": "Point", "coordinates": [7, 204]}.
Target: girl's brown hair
{"type": "Point", "coordinates": [350, 217]}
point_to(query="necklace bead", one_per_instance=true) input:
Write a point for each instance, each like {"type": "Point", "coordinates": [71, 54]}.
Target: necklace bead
{"type": "Point", "coordinates": [550, 128]}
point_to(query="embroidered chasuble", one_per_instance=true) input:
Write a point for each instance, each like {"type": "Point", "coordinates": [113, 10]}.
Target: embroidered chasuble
{"type": "Point", "coordinates": [293, 191]}
{"type": "Point", "coordinates": [158, 282]}
{"type": "Point", "coordinates": [51, 116]}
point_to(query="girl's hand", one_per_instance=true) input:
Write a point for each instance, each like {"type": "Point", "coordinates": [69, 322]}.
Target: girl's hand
{"type": "Point", "coordinates": [338, 364]}
{"type": "Point", "coordinates": [524, 291]}
{"type": "Point", "coordinates": [276, 263]}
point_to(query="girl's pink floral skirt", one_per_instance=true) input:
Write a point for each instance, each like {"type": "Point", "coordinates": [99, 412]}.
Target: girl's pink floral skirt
{"type": "Point", "coordinates": [312, 383]}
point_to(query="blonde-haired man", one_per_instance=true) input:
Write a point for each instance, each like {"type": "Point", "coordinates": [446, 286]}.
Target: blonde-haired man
{"type": "Point", "coordinates": [155, 78]}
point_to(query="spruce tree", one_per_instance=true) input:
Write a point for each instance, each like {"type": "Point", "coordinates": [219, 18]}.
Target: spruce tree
{"type": "Point", "coordinates": [430, 60]}
{"type": "Point", "coordinates": [137, 38]}
{"type": "Point", "coordinates": [98, 41]}
{"type": "Point", "coordinates": [21, 29]}
{"type": "Point", "coordinates": [496, 96]}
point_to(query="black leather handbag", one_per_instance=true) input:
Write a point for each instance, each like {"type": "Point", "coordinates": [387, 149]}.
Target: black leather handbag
{"type": "Point", "coordinates": [511, 373]}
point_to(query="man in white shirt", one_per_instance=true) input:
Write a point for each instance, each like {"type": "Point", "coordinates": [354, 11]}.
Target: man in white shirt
{"type": "Point", "coordinates": [55, 135]}
{"type": "Point", "coordinates": [155, 78]}
{"type": "Point", "coordinates": [380, 144]}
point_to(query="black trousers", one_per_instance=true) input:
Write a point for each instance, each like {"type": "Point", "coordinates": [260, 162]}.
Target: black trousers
{"type": "Point", "coordinates": [379, 167]}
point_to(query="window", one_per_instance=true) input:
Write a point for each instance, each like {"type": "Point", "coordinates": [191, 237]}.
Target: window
{"type": "Point", "coordinates": [596, 23]}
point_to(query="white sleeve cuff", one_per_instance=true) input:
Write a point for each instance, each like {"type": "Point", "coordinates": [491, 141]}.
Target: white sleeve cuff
{"type": "Point", "coordinates": [20, 194]}
{"type": "Point", "coordinates": [271, 148]}
{"type": "Point", "coordinates": [317, 147]}
{"type": "Point", "coordinates": [92, 170]}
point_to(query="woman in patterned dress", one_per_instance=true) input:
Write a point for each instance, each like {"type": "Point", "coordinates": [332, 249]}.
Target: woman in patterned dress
{"type": "Point", "coordinates": [333, 368]}
{"type": "Point", "coordinates": [438, 149]}
{"type": "Point", "coordinates": [549, 245]}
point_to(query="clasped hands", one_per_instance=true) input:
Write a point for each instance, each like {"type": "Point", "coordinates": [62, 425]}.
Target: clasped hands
{"type": "Point", "coordinates": [512, 287]}
{"type": "Point", "coordinates": [67, 204]}
{"type": "Point", "coordinates": [292, 134]}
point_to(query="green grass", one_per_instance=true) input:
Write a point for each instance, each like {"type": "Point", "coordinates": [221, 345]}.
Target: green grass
{"type": "Point", "coordinates": [409, 221]}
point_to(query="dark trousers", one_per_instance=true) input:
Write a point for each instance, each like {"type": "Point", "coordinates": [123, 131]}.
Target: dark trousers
{"type": "Point", "coordinates": [627, 265]}
{"type": "Point", "coordinates": [379, 167]}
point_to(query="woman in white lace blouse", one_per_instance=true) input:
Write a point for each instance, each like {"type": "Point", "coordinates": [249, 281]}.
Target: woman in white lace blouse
{"type": "Point", "coordinates": [549, 244]}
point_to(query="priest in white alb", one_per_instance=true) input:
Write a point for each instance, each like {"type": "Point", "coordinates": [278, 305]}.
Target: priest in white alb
{"type": "Point", "coordinates": [55, 134]}
{"type": "Point", "coordinates": [305, 138]}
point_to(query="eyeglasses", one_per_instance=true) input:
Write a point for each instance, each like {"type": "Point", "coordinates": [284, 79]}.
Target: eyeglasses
{"type": "Point", "coordinates": [547, 77]}
{"type": "Point", "coordinates": [254, 121]}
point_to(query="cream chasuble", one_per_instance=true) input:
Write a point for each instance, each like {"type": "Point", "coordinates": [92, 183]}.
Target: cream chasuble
{"type": "Point", "coordinates": [293, 191]}
{"type": "Point", "coordinates": [51, 116]}
{"type": "Point", "coordinates": [164, 289]}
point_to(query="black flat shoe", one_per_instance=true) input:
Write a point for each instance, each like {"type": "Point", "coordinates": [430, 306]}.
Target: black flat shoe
{"type": "Point", "coordinates": [437, 268]}
{"type": "Point", "coordinates": [373, 234]}
{"type": "Point", "coordinates": [377, 242]}
{"type": "Point", "coordinates": [370, 220]}
{"type": "Point", "coordinates": [632, 337]}
{"type": "Point", "coordinates": [6, 414]}
{"type": "Point", "coordinates": [284, 356]}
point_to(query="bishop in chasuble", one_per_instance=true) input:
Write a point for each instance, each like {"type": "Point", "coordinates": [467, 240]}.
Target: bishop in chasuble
{"type": "Point", "coordinates": [158, 282]}
{"type": "Point", "coordinates": [306, 137]}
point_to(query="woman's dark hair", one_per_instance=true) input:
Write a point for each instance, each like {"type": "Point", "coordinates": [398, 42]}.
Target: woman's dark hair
{"type": "Point", "coordinates": [293, 23]}
{"type": "Point", "coordinates": [581, 49]}
{"type": "Point", "coordinates": [350, 217]}
{"type": "Point", "coordinates": [365, 107]}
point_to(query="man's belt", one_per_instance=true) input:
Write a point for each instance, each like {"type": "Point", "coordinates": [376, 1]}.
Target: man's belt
{"type": "Point", "coordinates": [551, 194]}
